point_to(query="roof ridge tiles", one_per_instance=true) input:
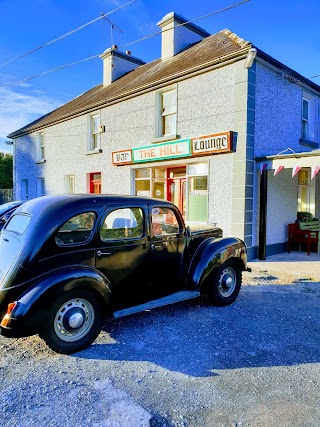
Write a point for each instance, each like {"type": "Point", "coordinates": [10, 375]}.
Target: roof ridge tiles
{"type": "Point", "coordinates": [235, 38]}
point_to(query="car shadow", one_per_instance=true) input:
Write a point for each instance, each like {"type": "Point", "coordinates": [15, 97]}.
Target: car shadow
{"type": "Point", "coordinates": [267, 326]}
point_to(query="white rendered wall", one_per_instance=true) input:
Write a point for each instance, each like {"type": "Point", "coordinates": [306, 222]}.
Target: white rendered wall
{"type": "Point", "coordinates": [205, 106]}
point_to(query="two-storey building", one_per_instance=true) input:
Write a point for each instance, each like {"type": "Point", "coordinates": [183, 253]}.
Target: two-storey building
{"type": "Point", "coordinates": [215, 125]}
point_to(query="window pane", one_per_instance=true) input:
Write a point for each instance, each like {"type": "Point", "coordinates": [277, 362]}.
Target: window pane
{"type": "Point", "coordinates": [159, 189]}
{"type": "Point", "coordinates": [303, 177]}
{"type": "Point", "coordinates": [142, 173]}
{"type": "Point", "coordinates": [96, 140]}
{"type": "Point", "coordinates": [95, 123]}
{"type": "Point", "coordinates": [143, 188]}
{"type": "Point", "coordinates": [122, 224]}
{"type": "Point", "coordinates": [76, 230]}
{"type": "Point", "coordinates": [305, 109]}
{"type": "Point", "coordinates": [159, 173]}
{"type": "Point", "coordinates": [198, 199]}
{"type": "Point", "coordinates": [198, 169]}
{"type": "Point", "coordinates": [169, 124]}
{"type": "Point", "coordinates": [169, 101]}
{"type": "Point", "coordinates": [164, 221]}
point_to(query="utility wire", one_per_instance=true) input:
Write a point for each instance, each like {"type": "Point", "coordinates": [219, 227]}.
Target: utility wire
{"type": "Point", "coordinates": [188, 22]}
{"type": "Point", "coordinates": [127, 44]}
{"type": "Point", "coordinates": [314, 77]}
{"type": "Point", "coordinates": [65, 35]}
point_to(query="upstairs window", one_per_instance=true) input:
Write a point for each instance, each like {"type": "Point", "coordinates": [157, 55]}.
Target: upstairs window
{"type": "Point", "coordinates": [95, 133]}
{"type": "Point", "coordinates": [167, 110]}
{"type": "Point", "coordinates": [40, 147]}
{"type": "Point", "coordinates": [309, 120]}
{"type": "Point", "coordinates": [305, 119]}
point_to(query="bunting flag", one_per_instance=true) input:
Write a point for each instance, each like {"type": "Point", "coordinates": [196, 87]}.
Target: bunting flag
{"type": "Point", "coordinates": [262, 167]}
{"type": "Point", "coordinates": [278, 169]}
{"type": "Point", "coordinates": [295, 170]}
{"type": "Point", "coordinates": [314, 171]}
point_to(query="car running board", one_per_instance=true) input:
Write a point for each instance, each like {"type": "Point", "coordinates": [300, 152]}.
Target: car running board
{"type": "Point", "coordinates": [170, 299]}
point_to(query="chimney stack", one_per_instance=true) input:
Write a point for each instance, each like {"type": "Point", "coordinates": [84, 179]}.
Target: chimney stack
{"type": "Point", "coordinates": [116, 64]}
{"type": "Point", "coordinates": [176, 37]}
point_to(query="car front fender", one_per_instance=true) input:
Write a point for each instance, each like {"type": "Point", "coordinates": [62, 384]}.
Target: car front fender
{"type": "Point", "coordinates": [211, 254]}
{"type": "Point", "coordinates": [30, 312]}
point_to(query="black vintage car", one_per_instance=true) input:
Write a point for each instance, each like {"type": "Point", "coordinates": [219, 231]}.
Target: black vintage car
{"type": "Point", "coordinates": [69, 261]}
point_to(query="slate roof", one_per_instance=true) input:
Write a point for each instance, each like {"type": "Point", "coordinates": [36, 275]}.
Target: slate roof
{"type": "Point", "coordinates": [214, 50]}
{"type": "Point", "coordinates": [209, 51]}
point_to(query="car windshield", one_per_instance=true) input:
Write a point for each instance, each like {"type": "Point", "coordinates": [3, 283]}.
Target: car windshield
{"type": "Point", "coordinates": [18, 223]}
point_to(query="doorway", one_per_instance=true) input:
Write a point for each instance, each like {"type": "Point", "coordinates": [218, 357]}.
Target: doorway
{"type": "Point", "coordinates": [176, 188]}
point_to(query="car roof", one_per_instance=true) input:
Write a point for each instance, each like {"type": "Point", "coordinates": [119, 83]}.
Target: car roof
{"type": "Point", "coordinates": [76, 201]}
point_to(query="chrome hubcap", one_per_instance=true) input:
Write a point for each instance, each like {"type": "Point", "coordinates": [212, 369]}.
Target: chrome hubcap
{"type": "Point", "coordinates": [74, 320]}
{"type": "Point", "coordinates": [227, 282]}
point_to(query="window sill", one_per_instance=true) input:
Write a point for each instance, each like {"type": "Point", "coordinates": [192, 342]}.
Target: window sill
{"type": "Point", "coordinates": [38, 162]}
{"type": "Point", "coordinates": [165, 138]}
{"type": "Point", "coordinates": [308, 143]}
{"type": "Point", "coordinates": [95, 151]}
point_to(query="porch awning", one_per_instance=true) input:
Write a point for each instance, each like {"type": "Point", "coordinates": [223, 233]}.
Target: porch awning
{"type": "Point", "coordinates": [290, 160]}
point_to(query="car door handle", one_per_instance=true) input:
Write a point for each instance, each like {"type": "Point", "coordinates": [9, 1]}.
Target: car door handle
{"type": "Point", "coordinates": [153, 246]}
{"type": "Point", "coordinates": [99, 253]}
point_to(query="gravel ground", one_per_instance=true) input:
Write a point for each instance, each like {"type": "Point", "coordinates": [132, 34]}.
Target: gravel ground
{"type": "Point", "coordinates": [255, 363]}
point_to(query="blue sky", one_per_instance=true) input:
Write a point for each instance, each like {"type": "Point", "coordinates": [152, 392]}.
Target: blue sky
{"type": "Point", "coordinates": [286, 30]}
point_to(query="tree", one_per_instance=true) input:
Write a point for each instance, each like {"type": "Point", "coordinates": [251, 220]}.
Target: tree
{"type": "Point", "coordinates": [6, 170]}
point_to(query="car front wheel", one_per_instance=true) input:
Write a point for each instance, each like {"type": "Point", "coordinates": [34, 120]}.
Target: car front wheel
{"type": "Point", "coordinates": [226, 284]}
{"type": "Point", "coordinates": [74, 322]}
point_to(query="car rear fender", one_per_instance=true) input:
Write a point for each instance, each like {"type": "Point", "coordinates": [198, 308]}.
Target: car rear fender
{"type": "Point", "coordinates": [34, 302]}
{"type": "Point", "coordinates": [210, 255]}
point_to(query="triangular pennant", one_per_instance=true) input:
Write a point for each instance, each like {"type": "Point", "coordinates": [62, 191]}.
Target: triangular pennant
{"type": "Point", "coordinates": [262, 167]}
{"type": "Point", "coordinates": [278, 169]}
{"type": "Point", "coordinates": [295, 170]}
{"type": "Point", "coordinates": [314, 171]}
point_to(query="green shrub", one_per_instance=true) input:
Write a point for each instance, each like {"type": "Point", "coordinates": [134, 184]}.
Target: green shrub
{"type": "Point", "coordinates": [304, 216]}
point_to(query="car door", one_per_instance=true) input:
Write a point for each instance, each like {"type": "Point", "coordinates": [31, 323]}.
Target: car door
{"type": "Point", "coordinates": [166, 250]}
{"type": "Point", "coordinates": [122, 251]}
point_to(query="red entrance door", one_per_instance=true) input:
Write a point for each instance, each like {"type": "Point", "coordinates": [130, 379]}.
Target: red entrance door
{"type": "Point", "coordinates": [176, 190]}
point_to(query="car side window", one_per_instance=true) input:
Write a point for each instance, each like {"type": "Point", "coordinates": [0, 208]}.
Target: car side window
{"type": "Point", "coordinates": [164, 221]}
{"type": "Point", "coordinates": [76, 230]}
{"type": "Point", "coordinates": [125, 223]}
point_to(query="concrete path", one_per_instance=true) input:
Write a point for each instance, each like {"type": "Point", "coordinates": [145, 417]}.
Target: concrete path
{"type": "Point", "coordinates": [296, 264]}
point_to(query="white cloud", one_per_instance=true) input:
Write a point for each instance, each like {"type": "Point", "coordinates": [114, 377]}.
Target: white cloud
{"type": "Point", "coordinates": [18, 109]}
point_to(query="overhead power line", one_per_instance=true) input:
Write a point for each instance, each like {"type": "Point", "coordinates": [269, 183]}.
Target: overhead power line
{"type": "Point", "coordinates": [314, 77]}
{"type": "Point", "coordinates": [127, 44]}
{"type": "Point", "coordinates": [188, 22]}
{"type": "Point", "coordinates": [66, 35]}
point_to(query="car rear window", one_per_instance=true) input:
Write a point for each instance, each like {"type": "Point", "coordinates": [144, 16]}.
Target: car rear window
{"type": "Point", "coordinates": [76, 230]}
{"type": "Point", "coordinates": [18, 223]}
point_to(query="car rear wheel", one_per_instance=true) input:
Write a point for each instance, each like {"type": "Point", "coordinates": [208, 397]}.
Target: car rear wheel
{"type": "Point", "coordinates": [74, 322]}
{"type": "Point", "coordinates": [226, 284]}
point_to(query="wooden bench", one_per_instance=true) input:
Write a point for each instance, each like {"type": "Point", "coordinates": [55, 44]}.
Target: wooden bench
{"type": "Point", "coordinates": [296, 234]}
